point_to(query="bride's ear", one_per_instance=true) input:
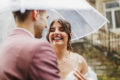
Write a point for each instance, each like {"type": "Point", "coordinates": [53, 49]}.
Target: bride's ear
{"type": "Point", "coordinates": [71, 35]}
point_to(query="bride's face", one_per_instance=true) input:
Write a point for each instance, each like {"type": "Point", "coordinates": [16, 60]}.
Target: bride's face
{"type": "Point", "coordinates": [57, 35]}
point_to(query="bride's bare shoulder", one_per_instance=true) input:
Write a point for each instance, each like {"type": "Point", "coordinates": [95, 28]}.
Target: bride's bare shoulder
{"type": "Point", "coordinates": [82, 62]}
{"type": "Point", "coordinates": [77, 55]}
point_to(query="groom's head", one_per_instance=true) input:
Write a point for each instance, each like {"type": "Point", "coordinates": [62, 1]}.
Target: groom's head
{"type": "Point", "coordinates": [36, 19]}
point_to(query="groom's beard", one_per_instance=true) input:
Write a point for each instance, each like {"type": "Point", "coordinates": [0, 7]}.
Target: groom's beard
{"type": "Point", "coordinates": [38, 32]}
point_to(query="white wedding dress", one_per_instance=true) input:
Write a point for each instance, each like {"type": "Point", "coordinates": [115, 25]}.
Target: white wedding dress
{"type": "Point", "coordinates": [90, 75]}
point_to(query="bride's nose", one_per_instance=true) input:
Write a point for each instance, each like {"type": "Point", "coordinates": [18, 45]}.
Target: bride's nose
{"type": "Point", "coordinates": [57, 31]}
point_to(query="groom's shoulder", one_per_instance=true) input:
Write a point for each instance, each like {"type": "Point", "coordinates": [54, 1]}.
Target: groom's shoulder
{"type": "Point", "coordinates": [42, 44]}
{"type": "Point", "coordinates": [43, 49]}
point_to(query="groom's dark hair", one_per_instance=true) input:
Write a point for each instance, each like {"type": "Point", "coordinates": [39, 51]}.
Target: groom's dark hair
{"type": "Point", "coordinates": [22, 16]}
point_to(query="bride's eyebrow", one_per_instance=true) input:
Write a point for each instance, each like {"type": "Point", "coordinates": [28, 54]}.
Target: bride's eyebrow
{"type": "Point", "coordinates": [51, 27]}
{"type": "Point", "coordinates": [62, 27]}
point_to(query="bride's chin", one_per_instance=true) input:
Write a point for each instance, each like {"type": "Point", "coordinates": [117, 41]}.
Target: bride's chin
{"type": "Point", "coordinates": [57, 44]}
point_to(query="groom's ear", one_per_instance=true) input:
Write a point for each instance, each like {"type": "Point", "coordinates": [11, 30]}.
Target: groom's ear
{"type": "Point", "coordinates": [71, 35]}
{"type": "Point", "coordinates": [35, 14]}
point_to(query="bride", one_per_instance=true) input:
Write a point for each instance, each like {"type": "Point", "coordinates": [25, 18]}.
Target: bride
{"type": "Point", "coordinates": [72, 66]}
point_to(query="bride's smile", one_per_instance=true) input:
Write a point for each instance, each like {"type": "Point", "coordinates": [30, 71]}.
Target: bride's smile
{"type": "Point", "coordinates": [57, 35]}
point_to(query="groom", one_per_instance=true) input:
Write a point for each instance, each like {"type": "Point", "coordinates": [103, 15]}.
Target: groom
{"type": "Point", "coordinates": [23, 57]}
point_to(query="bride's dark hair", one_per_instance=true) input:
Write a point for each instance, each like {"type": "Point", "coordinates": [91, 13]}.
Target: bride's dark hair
{"type": "Point", "coordinates": [67, 27]}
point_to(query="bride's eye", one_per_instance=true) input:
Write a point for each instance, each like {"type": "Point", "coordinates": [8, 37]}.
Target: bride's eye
{"type": "Point", "coordinates": [62, 29]}
{"type": "Point", "coordinates": [52, 29]}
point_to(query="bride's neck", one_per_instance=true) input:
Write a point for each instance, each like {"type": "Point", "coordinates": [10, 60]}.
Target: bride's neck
{"type": "Point", "coordinates": [61, 52]}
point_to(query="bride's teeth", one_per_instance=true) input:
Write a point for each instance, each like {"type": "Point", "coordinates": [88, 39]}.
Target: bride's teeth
{"type": "Point", "coordinates": [57, 38]}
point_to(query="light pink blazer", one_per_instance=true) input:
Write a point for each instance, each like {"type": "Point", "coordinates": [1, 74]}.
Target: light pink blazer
{"type": "Point", "coordinates": [23, 57]}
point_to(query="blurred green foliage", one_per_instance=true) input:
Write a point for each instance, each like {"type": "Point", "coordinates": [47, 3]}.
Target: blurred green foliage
{"type": "Point", "coordinates": [106, 70]}
{"type": "Point", "coordinates": [106, 77]}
